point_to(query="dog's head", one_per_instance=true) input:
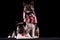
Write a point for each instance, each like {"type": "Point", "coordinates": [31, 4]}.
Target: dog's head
{"type": "Point", "coordinates": [21, 27]}
{"type": "Point", "coordinates": [29, 6]}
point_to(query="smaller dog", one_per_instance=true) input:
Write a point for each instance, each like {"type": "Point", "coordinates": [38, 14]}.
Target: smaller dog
{"type": "Point", "coordinates": [22, 31]}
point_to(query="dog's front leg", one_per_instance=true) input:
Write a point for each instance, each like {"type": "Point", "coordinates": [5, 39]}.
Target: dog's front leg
{"type": "Point", "coordinates": [33, 31]}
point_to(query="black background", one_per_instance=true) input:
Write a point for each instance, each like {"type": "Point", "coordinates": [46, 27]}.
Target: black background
{"type": "Point", "coordinates": [11, 11]}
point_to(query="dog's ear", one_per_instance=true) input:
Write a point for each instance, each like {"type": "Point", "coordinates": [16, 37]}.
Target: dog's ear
{"type": "Point", "coordinates": [24, 3]}
{"type": "Point", "coordinates": [24, 23]}
{"type": "Point", "coordinates": [32, 3]}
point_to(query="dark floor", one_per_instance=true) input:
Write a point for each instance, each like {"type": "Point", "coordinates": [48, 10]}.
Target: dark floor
{"type": "Point", "coordinates": [48, 38]}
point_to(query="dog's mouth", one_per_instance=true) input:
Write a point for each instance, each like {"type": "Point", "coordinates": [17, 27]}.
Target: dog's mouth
{"type": "Point", "coordinates": [27, 11]}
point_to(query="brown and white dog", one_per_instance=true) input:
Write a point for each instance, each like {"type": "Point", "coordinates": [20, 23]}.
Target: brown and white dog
{"type": "Point", "coordinates": [29, 13]}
